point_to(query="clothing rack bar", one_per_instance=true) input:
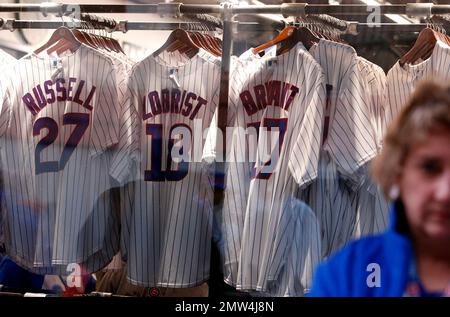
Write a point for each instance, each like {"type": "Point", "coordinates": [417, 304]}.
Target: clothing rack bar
{"type": "Point", "coordinates": [123, 26]}
{"type": "Point", "coordinates": [412, 9]}
{"type": "Point", "coordinates": [391, 27]}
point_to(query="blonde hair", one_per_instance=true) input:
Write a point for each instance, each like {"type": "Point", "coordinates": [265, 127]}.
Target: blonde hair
{"type": "Point", "coordinates": [427, 111]}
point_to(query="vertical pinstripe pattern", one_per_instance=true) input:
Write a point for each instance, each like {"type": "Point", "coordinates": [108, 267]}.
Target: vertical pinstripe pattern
{"type": "Point", "coordinates": [375, 80]}
{"type": "Point", "coordinates": [168, 224]}
{"type": "Point", "coordinates": [371, 210]}
{"type": "Point", "coordinates": [238, 172]}
{"type": "Point", "coordinates": [64, 216]}
{"type": "Point", "coordinates": [135, 52]}
{"type": "Point", "coordinates": [371, 217]}
{"type": "Point", "coordinates": [299, 251]}
{"type": "Point", "coordinates": [123, 65]}
{"type": "Point", "coordinates": [401, 81]}
{"type": "Point", "coordinates": [350, 144]}
{"type": "Point", "coordinates": [253, 235]}
{"type": "Point", "coordinates": [6, 62]}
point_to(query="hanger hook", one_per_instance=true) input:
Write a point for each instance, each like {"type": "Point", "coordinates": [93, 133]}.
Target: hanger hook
{"type": "Point", "coordinates": [62, 19]}
{"type": "Point", "coordinates": [443, 28]}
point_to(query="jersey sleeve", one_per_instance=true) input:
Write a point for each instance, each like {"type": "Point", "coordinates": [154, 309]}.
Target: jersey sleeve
{"type": "Point", "coordinates": [127, 150]}
{"type": "Point", "coordinates": [351, 140]}
{"type": "Point", "coordinates": [105, 116]}
{"type": "Point", "coordinates": [5, 106]}
{"type": "Point", "coordinates": [304, 157]}
{"type": "Point", "coordinates": [380, 103]}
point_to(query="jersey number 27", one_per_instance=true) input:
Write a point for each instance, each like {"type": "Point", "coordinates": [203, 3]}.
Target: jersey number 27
{"type": "Point", "coordinates": [81, 122]}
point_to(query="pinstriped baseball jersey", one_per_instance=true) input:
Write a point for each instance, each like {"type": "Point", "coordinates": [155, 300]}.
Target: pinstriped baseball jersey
{"type": "Point", "coordinates": [349, 144]}
{"type": "Point", "coordinates": [135, 52]}
{"type": "Point", "coordinates": [124, 65]}
{"type": "Point", "coordinates": [297, 249]}
{"type": "Point", "coordinates": [401, 80]}
{"type": "Point", "coordinates": [6, 62]}
{"type": "Point", "coordinates": [167, 205]}
{"type": "Point", "coordinates": [371, 207]}
{"type": "Point", "coordinates": [379, 100]}
{"type": "Point", "coordinates": [286, 94]}
{"type": "Point", "coordinates": [57, 123]}
{"type": "Point", "coordinates": [371, 210]}
{"type": "Point", "coordinates": [376, 86]}
{"type": "Point", "coordinates": [238, 176]}
{"type": "Point", "coordinates": [350, 136]}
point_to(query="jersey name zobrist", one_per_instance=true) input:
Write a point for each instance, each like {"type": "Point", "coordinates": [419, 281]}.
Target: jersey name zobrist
{"type": "Point", "coordinates": [172, 101]}
{"type": "Point", "coordinates": [43, 95]}
{"type": "Point", "coordinates": [271, 93]}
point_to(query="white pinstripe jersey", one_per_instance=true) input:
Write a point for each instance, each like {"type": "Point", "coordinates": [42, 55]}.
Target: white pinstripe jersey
{"type": "Point", "coordinates": [371, 206]}
{"type": "Point", "coordinates": [376, 86]}
{"type": "Point", "coordinates": [135, 52]}
{"type": "Point", "coordinates": [235, 197]}
{"type": "Point", "coordinates": [298, 250]}
{"type": "Point", "coordinates": [167, 206]}
{"type": "Point", "coordinates": [401, 81]}
{"type": "Point", "coordinates": [350, 143]}
{"type": "Point", "coordinates": [124, 65]}
{"type": "Point", "coordinates": [59, 117]}
{"type": "Point", "coordinates": [371, 210]}
{"type": "Point", "coordinates": [285, 94]}
{"type": "Point", "coordinates": [6, 62]}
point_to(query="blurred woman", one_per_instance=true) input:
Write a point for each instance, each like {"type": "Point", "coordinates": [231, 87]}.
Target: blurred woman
{"type": "Point", "coordinates": [412, 258]}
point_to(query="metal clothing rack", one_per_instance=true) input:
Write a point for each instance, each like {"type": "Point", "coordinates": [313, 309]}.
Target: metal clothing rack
{"type": "Point", "coordinates": [412, 9]}
{"type": "Point", "coordinates": [125, 26]}
{"type": "Point", "coordinates": [351, 28]}
{"type": "Point", "coordinates": [227, 12]}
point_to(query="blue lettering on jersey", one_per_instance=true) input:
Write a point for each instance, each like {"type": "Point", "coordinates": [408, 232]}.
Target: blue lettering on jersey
{"type": "Point", "coordinates": [61, 90]}
{"type": "Point", "coordinates": [173, 101]}
{"type": "Point", "coordinates": [272, 93]}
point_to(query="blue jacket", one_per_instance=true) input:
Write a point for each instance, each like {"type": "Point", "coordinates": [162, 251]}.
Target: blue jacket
{"type": "Point", "coordinates": [353, 270]}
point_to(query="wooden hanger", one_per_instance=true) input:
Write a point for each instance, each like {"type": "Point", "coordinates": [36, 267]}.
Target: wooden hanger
{"type": "Point", "coordinates": [283, 35]}
{"type": "Point", "coordinates": [110, 24]}
{"type": "Point", "coordinates": [197, 40]}
{"type": "Point", "coordinates": [116, 45]}
{"type": "Point", "coordinates": [423, 46]}
{"type": "Point", "coordinates": [217, 45]}
{"type": "Point", "coordinates": [301, 34]}
{"type": "Point", "coordinates": [112, 44]}
{"type": "Point", "coordinates": [446, 22]}
{"type": "Point", "coordinates": [181, 39]}
{"type": "Point", "coordinates": [62, 37]}
{"type": "Point", "coordinates": [207, 43]}
{"type": "Point", "coordinates": [105, 44]}
{"type": "Point", "coordinates": [81, 37]}
{"type": "Point", "coordinates": [444, 38]}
